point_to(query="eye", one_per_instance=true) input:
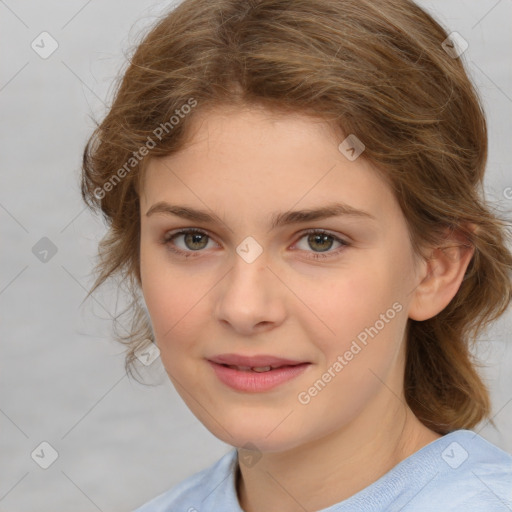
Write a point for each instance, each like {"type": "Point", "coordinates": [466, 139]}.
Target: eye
{"type": "Point", "coordinates": [195, 240]}
{"type": "Point", "coordinates": [323, 240]}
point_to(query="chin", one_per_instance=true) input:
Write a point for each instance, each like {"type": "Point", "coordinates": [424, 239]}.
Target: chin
{"type": "Point", "coordinates": [263, 435]}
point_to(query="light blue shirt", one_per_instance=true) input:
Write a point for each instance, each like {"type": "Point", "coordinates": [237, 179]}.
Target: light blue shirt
{"type": "Point", "coordinates": [459, 472]}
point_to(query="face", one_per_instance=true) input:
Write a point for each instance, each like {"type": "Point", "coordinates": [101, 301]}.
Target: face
{"type": "Point", "coordinates": [334, 299]}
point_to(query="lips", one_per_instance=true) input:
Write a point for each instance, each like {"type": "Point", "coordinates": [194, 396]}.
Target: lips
{"type": "Point", "coordinates": [255, 374]}
{"type": "Point", "coordinates": [259, 363]}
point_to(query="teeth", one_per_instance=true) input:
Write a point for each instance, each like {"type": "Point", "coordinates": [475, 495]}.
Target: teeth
{"type": "Point", "coordinates": [262, 368]}
{"type": "Point", "coordinates": [249, 368]}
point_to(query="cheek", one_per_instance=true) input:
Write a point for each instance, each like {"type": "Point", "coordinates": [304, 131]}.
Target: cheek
{"type": "Point", "coordinates": [350, 302]}
{"type": "Point", "coordinates": [364, 311]}
{"type": "Point", "coordinates": [175, 301]}
{"type": "Point", "coordinates": [162, 292]}
{"type": "Point", "coordinates": [368, 320]}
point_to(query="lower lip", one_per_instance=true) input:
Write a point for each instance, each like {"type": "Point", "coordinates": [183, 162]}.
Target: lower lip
{"type": "Point", "coordinates": [255, 382]}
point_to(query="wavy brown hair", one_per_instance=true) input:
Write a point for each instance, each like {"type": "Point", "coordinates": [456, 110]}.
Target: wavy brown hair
{"type": "Point", "coordinates": [374, 68]}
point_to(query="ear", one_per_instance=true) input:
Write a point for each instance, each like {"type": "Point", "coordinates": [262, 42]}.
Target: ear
{"type": "Point", "coordinates": [441, 275]}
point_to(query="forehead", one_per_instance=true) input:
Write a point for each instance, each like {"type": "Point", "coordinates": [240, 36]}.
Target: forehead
{"type": "Point", "coordinates": [256, 158]}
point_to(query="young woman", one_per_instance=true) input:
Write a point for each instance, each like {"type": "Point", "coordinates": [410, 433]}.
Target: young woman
{"type": "Point", "coordinates": [293, 190]}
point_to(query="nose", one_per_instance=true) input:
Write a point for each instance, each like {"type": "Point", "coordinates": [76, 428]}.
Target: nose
{"type": "Point", "coordinates": [250, 298]}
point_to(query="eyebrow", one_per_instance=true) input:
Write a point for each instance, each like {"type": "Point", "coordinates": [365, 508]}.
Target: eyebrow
{"type": "Point", "coordinates": [277, 219]}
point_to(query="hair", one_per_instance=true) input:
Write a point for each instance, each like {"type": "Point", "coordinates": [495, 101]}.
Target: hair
{"type": "Point", "coordinates": [373, 68]}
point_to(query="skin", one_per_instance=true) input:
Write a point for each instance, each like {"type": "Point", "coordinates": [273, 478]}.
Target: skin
{"type": "Point", "coordinates": [243, 165]}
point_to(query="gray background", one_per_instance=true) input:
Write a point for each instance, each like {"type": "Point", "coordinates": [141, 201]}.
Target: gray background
{"type": "Point", "coordinates": [62, 378]}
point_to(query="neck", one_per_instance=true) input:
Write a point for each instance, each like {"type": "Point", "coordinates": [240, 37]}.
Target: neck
{"type": "Point", "coordinates": [326, 471]}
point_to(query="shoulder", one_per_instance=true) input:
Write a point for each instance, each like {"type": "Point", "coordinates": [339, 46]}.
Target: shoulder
{"type": "Point", "coordinates": [215, 483]}
{"type": "Point", "coordinates": [469, 474]}
{"type": "Point", "coordinates": [459, 472]}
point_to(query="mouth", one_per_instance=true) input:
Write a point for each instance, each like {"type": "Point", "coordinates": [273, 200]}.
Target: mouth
{"type": "Point", "coordinates": [257, 369]}
{"type": "Point", "coordinates": [256, 373]}
{"type": "Point", "coordinates": [262, 361]}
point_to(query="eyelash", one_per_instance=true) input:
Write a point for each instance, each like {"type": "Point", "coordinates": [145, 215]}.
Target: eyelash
{"type": "Point", "coordinates": [169, 237]}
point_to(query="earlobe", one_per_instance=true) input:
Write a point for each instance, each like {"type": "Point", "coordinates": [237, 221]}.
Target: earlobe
{"type": "Point", "coordinates": [443, 274]}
